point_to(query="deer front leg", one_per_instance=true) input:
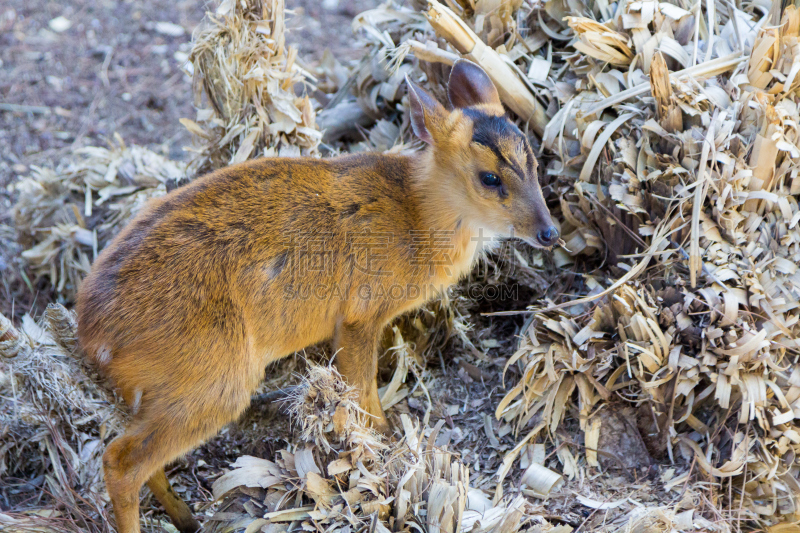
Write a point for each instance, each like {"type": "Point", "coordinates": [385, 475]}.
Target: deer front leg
{"type": "Point", "coordinates": [357, 360]}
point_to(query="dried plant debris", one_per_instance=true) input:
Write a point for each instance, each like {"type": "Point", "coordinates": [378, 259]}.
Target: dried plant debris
{"type": "Point", "coordinates": [424, 39]}
{"type": "Point", "coordinates": [343, 475]}
{"type": "Point", "coordinates": [245, 78]}
{"type": "Point", "coordinates": [687, 185]}
{"type": "Point", "coordinates": [56, 416]}
{"type": "Point", "coordinates": [65, 216]}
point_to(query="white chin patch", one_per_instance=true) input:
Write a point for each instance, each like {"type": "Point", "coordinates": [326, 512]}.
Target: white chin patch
{"type": "Point", "coordinates": [493, 245]}
{"type": "Point", "coordinates": [488, 240]}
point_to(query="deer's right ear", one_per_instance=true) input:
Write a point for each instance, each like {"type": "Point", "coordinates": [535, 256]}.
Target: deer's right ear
{"type": "Point", "coordinates": [469, 85]}
{"type": "Point", "coordinates": [425, 111]}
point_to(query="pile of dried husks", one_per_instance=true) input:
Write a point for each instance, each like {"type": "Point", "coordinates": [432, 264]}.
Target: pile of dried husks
{"type": "Point", "coordinates": [344, 477]}
{"type": "Point", "coordinates": [56, 416]}
{"type": "Point", "coordinates": [65, 216]}
{"type": "Point", "coordinates": [670, 151]}
{"type": "Point", "coordinates": [244, 77]}
{"type": "Point", "coordinates": [687, 183]}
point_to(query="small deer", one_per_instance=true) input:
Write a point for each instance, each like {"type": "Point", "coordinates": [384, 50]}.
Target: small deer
{"type": "Point", "coordinates": [209, 284]}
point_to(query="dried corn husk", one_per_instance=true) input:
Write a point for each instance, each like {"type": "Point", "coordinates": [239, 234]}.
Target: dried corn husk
{"type": "Point", "coordinates": [704, 325]}
{"type": "Point", "coordinates": [65, 216]}
{"type": "Point", "coordinates": [56, 414]}
{"type": "Point", "coordinates": [241, 65]}
{"type": "Point", "coordinates": [350, 476]}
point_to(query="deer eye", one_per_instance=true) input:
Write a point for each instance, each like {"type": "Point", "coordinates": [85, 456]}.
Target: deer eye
{"type": "Point", "coordinates": [490, 179]}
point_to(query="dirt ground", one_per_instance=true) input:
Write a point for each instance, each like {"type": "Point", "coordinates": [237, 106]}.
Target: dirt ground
{"type": "Point", "coordinates": [74, 73]}
{"type": "Point", "coordinates": [116, 68]}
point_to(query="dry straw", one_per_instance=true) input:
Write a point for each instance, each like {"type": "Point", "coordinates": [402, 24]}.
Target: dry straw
{"type": "Point", "coordinates": [244, 79]}
{"type": "Point", "coordinates": [56, 416]}
{"type": "Point", "coordinates": [347, 478]}
{"type": "Point", "coordinates": [65, 216]}
{"type": "Point", "coordinates": [696, 194]}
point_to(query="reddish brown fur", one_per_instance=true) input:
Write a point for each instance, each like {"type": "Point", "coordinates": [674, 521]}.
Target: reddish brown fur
{"type": "Point", "coordinates": [204, 287]}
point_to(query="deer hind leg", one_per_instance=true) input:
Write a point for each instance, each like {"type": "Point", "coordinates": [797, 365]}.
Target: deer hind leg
{"type": "Point", "coordinates": [127, 463]}
{"type": "Point", "coordinates": [176, 508]}
{"type": "Point", "coordinates": [162, 431]}
{"type": "Point", "coordinates": [357, 360]}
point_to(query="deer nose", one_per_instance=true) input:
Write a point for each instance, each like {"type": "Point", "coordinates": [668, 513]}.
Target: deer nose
{"type": "Point", "coordinates": [548, 237]}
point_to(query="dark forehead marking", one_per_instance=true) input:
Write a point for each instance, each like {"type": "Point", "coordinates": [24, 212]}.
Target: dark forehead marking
{"type": "Point", "coordinates": [491, 130]}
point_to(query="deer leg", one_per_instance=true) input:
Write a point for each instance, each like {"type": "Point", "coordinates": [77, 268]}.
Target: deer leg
{"type": "Point", "coordinates": [357, 360]}
{"type": "Point", "coordinates": [163, 430]}
{"type": "Point", "coordinates": [176, 508]}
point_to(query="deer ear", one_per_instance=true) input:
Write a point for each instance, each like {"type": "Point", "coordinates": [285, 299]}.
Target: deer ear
{"type": "Point", "coordinates": [469, 85]}
{"type": "Point", "coordinates": [425, 109]}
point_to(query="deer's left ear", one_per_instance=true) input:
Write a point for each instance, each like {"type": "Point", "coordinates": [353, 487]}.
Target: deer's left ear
{"type": "Point", "coordinates": [425, 111]}
{"type": "Point", "coordinates": [469, 85]}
